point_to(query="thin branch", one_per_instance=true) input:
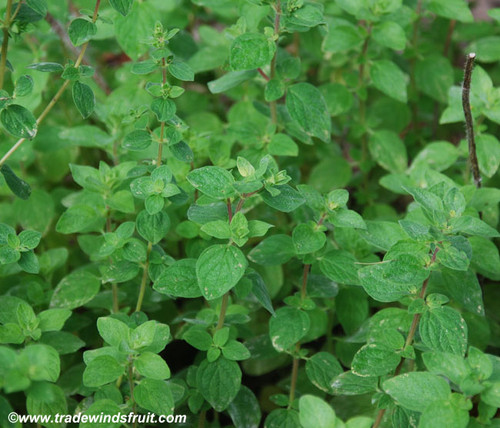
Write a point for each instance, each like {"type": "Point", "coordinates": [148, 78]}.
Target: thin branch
{"type": "Point", "coordinates": [263, 74]}
{"type": "Point", "coordinates": [409, 338]}
{"type": "Point", "coordinates": [56, 97]}
{"type": "Point", "coordinates": [469, 122]}
{"type": "Point", "coordinates": [277, 19]}
{"type": "Point", "coordinates": [63, 35]}
{"type": "Point", "coordinates": [5, 43]}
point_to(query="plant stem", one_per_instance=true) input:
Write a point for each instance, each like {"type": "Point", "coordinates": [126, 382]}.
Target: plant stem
{"type": "Point", "coordinates": [5, 43]}
{"type": "Point", "coordinates": [305, 274]}
{"type": "Point", "coordinates": [295, 372]}
{"type": "Point", "coordinates": [409, 338]}
{"type": "Point", "coordinates": [114, 286]}
{"type": "Point", "coordinates": [131, 385]}
{"type": "Point", "coordinates": [469, 122]}
{"type": "Point", "coordinates": [223, 309]}
{"type": "Point", "coordinates": [277, 18]}
{"type": "Point", "coordinates": [144, 280]}
{"type": "Point", "coordinates": [58, 94]}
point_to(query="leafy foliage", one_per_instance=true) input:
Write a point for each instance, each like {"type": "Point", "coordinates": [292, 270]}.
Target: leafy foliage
{"type": "Point", "coordinates": [250, 212]}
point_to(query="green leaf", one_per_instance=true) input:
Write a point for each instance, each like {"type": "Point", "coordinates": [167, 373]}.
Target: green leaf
{"type": "Point", "coordinates": [321, 369]}
{"type": "Point", "coordinates": [29, 262]}
{"type": "Point", "coordinates": [213, 181]}
{"type": "Point", "coordinates": [388, 78]}
{"type": "Point", "coordinates": [274, 250]}
{"type": "Point", "coordinates": [315, 413]}
{"type": "Point", "coordinates": [137, 140]}
{"type": "Point", "coordinates": [42, 362]}
{"type": "Point", "coordinates": [389, 151]}
{"type": "Point", "coordinates": [288, 327]}
{"type": "Point", "coordinates": [18, 186]}
{"type": "Point", "coordinates": [390, 281]}
{"type": "Point", "coordinates": [451, 9]}
{"type": "Point", "coordinates": [164, 109]}
{"type": "Point", "coordinates": [485, 257]}
{"type": "Point", "coordinates": [81, 31]}
{"type": "Point", "coordinates": [491, 395]}
{"type": "Point", "coordinates": [282, 145]}
{"type": "Point", "coordinates": [218, 269]}
{"type": "Point", "coordinates": [446, 364]}
{"type": "Point", "coordinates": [39, 6]}
{"type": "Point", "coordinates": [250, 51]}
{"type": "Point", "coordinates": [219, 382]}
{"type": "Point", "coordinates": [45, 398]}
{"type": "Point", "coordinates": [179, 280]}
{"type": "Point", "coordinates": [283, 418]}
{"type": "Point", "coordinates": [348, 383]}
{"type": "Point", "coordinates": [75, 290]}
{"type": "Point", "coordinates": [198, 338]}
{"type": "Point", "coordinates": [18, 121]}
{"type": "Point", "coordinates": [473, 226]}
{"type": "Point", "coordinates": [307, 238]}
{"type": "Point", "coordinates": [152, 366]}
{"type": "Point", "coordinates": [153, 228]}
{"type": "Point", "coordinates": [274, 90]}
{"type": "Point", "coordinates": [230, 80]}
{"type": "Point", "coordinates": [434, 76]}
{"type": "Point", "coordinates": [338, 98]}
{"type": "Point", "coordinates": [443, 329]}
{"type": "Point", "coordinates": [235, 351]}
{"type": "Point", "coordinates": [77, 218]}
{"type": "Point", "coordinates": [53, 319]}
{"type": "Point", "coordinates": [47, 67]}
{"type": "Point", "coordinates": [416, 390]}
{"type": "Point", "coordinates": [245, 409]}
{"type": "Point", "coordinates": [340, 266]}
{"type": "Point", "coordinates": [84, 99]}
{"type": "Point", "coordinates": [100, 407]}
{"type": "Point", "coordinates": [375, 360]}
{"type": "Point", "coordinates": [181, 71]}
{"type": "Point", "coordinates": [155, 395]}
{"type": "Point", "coordinates": [122, 6]}
{"type": "Point", "coordinates": [346, 218]}
{"type": "Point", "coordinates": [287, 200]}
{"type": "Point", "coordinates": [488, 154]}
{"type": "Point", "coordinates": [306, 105]}
{"type": "Point", "coordinates": [444, 413]}
{"type": "Point", "coordinates": [102, 370]}
{"type": "Point", "coordinates": [342, 38]}
{"type": "Point", "coordinates": [24, 86]}
{"type": "Point", "coordinates": [486, 49]}
{"type": "Point", "coordinates": [390, 35]}
{"type": "Point", "coordinates": [113, 331]}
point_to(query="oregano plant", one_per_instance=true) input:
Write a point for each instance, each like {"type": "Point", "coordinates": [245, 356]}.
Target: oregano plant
{"type": "Point", "coordinates": [249, 213]}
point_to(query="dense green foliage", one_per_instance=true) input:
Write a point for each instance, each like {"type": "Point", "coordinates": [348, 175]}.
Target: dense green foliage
{"type": "Point", "coordinates": [251, 212]}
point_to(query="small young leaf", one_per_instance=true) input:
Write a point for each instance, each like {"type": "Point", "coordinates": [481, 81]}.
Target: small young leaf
{"type": "Point", "coordinates": [122, 6]}
{"type": "Point", "coordinates": [84, 99]}
{"type": "Point", "coordinates": [18, 121]}
{"type": "Point", "coordinates": [81, 31]}
{"type": "Point", "coordinates": [18, 186]}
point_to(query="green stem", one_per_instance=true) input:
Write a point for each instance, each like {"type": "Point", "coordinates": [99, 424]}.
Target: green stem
{"type": "Point", "coordinates": [56, 97]}
{"type": "Point", "coordinates": [223, 309]}
{"type": "Point", "coordinates": [277, 18]}
{"type": "Point", "coordinates": [293, 382]}
{"type": "Point", "coordinates": [409, 338]}
{"type": "Point", "coordinates": [144, 281]}
{"type": "Point", "coordinates": [5, 43]}
{"type": "Point", "coordinates": [131, 385]}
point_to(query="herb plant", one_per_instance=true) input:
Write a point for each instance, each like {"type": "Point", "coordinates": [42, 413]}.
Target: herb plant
{"type": "Point", "coordinates": [250, 212]}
